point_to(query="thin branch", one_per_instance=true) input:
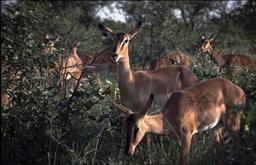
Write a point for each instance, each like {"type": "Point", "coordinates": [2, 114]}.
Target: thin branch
{"type": "Point", "coordinates": [97, 143]}
{"type": "Point", "coordinates": [184, 17]}
{"type": "Point", "coordinates": [5, 68]}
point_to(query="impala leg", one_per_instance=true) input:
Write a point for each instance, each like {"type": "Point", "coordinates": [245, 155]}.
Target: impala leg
{"type": "Point", "coordinates": [232, 122]}
{"type": "Point", "coordinates": [185, 147]}
{"type": "Point", "coordinates": [219, 146]}
{"type": "Point", "coordinates": [225, 135]}
{"type": "Point", "coordinates": [77, 76]}
{"type": "Point", "coordinates": [99, 82]}
{"type": "Point", "coordinates": [147, 151]}
{"type": "Point", "coordinates": [61, 83]}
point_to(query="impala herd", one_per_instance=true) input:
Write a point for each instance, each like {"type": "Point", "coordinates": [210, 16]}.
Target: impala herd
{"type": "Point", "coordinates": [169, 99]}
{"type": "Point", "coordinates": [226, 60]}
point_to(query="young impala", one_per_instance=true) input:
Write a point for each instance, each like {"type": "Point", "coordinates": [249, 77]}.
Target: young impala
{"type": "Point", "coordinates": [49, 42]}
{"type": "Point", "coordinates": [171, 58]}
{"type": "Point", "coordinates": [224, 60]}
{"type": "Point", "coordinates": [197, 108]}
{"type": "Point", "coordinates": [73, 64]}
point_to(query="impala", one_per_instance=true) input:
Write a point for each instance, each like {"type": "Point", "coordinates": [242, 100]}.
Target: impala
{"type": "Point", "coordinates": [5, 99]}
{"type": "Point", "coordinates": [177, 58]}
{"type": "Point", "coordinates": [103, 62]}
{"type": "Point", "coordinates": [11, 71]}
{"type": "Point", "coordinates": [136, 87]}
{"type": "Point", "coordinates": [9, 74]}
{"type": "Point", "coordinates": [197, 108]}
{"type": "Point", "coordinates": [73, 64]}
{"type": "Point", "coordinates": [238, 60]}
{"type": "Point", "coordinates": [50, 42]}
{"type": "Point", "coordinates": [7, 96]}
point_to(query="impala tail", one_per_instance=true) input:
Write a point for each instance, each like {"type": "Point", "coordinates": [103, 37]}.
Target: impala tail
{"type": "Point", "coordinates": [234, 94]}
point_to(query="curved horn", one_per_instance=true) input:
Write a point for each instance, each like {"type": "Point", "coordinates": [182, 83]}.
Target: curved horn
{"type": "Point", "coordinates": [135, 29]}
{"type": "Point", "coordinates": [106, 31]}
{"type": "Point", "coordinates": [203, 38]}
{"type": "Point", "coordinates": [121, 108]}
{"type": "Point", "coordinates": [47, 36]}
{"type": "Point", "coordinates": [212, 36]}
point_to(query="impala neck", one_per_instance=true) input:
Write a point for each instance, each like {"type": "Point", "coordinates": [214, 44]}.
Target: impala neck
{"type": "Point", "coordinates": [125, 74]}
{"type": "Point", "coordinates": [75, 55]}
{"type": "Point", "coordinates": [155, 123]}
{"type": "Point", "coordinates": [217, 58]}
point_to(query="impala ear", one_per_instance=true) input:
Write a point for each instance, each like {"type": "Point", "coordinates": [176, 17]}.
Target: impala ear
{"type": "Point", "coordinates": [121, 108]}
{"type": "Point", "coordinates": [57, 38]}
{"type": "Point", "coordinates": [134, 31]}
{"type": "Point", "coordinates": [78, 44]}
{"type": "Point", "coordinates": [106, 31]}
{"type": "Point", "coordinates": [75, 46]}
{"type": "Point", "coordinates": [148, 104]}
{"type": "Point", "coordinates": [203, 38]}
{"type": "Point", "coordinates": [47, 36]}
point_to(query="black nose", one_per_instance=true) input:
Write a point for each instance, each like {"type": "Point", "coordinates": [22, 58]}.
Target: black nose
{"type": "Point", "coordinates": [114, 57]}
{"type": "Point", "coordinates": [128, 154]}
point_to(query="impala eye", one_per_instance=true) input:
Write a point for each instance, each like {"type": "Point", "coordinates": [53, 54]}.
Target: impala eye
{"type": "Point", "coordinates": [125, 41]}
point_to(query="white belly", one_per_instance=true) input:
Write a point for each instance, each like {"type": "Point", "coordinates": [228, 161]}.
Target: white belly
{"type": "Point", "coordinates": [68, 76]}
{"type": "Point", "coordinates": [207, 127]}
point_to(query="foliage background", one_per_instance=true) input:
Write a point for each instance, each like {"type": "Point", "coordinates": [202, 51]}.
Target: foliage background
{"type": "Point", "coordinates": [45, 126]}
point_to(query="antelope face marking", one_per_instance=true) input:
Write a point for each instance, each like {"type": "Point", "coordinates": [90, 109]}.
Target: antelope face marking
{"type": "Point", "coordinates": [134, 134]}
{"type": "Point", "coordinates": [120, 40]}
{"type": "Point", "coordinates": [120, 45]}
{"type": "Point", "coordinates": [206, 47]}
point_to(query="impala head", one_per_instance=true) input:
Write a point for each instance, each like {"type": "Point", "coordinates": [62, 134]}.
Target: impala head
{"type": "Point", "coordinates": [158, 64]}
{"type": "Point", "coordinates": [134, 125]}
{"type": "Point", "coordinates": [207, 43]}
{"type": "Point", "coordinates": [50, 42]}
{"type": "Point", "coordinates": [175, 59]}
{"type": "Point", "coordinates": [74, 47]}
{"type": "Point", "coordinates": [120, 40]}
{"type": "Point", "coordinates": [104, 57]}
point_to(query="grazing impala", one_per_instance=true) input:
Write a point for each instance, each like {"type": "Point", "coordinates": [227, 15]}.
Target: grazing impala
{"type": "Point", "coordinates": [136, 87]}
{"type": "Point", "coordinates": [238, 60]}
{"type": "Point", "coordinates": [176, 58]}
{"type": "Point", "coordinates": [197, 108]}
